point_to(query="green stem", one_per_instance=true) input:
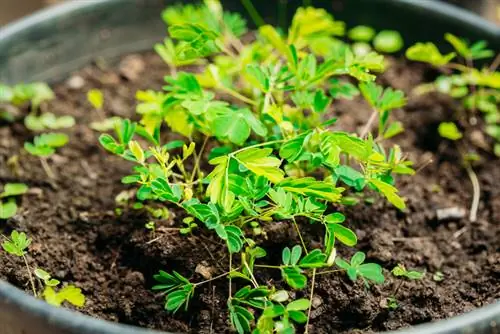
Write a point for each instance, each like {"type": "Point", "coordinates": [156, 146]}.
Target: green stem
{"type": "Point", "coordinates": [369, 124]}
{"type": "Point", "coordinates": [313, 281]}
{"type": "Point", "coordinates": [32, 282]}
{"type": "Point", "coordinates": [214, 278]}
{"type": "Point", "coordinates": [237, 95]}
{"type": "Point", "coordinates": [476, 192]}
{"type": "Point", "coordinates": [300, 235]}
{"type": "Point", "coordinates": [254, 14]}
{"type": "Point", "coordinates": [267, 266]}
{"type": "Point", "coordinates": [47, 169]}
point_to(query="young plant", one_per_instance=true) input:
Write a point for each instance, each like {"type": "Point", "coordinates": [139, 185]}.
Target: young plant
{"type": "Point", "coordinates": [68, 293]}
{"type": "Point", "coordinates": [17, 245]}
{"type": "Point", "coordinates": [263, 109]}
{"type": "Point", "coordinates": [44, 146]}
{"type": "Point", "coordinates": [400, 271]}
{"type": "Point", "coordinates": [8, 206]}
{"type": "Point", "coordinates": [12, 98]}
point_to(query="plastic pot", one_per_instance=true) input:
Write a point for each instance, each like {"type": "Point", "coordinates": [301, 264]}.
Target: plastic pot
{"type": "Point", "coordinates": [50, 44]}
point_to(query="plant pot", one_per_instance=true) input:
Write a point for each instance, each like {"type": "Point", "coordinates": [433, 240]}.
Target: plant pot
{"type": "Point", "coordinates": [52, 43]}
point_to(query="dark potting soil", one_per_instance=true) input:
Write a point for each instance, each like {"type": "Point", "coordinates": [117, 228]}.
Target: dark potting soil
{"type": "Point", "coordinates": [78, 237]}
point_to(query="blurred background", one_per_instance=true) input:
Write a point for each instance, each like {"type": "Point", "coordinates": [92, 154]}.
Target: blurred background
{"type": "Point", "coordinates": [13, 9]}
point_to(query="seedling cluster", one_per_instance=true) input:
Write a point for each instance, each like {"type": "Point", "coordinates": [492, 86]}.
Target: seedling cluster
{"type": "Point", "coordinates": [265, 109]}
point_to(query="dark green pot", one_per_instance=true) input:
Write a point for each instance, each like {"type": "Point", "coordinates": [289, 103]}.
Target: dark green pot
{"type": "Point", "coordinates": [50, 44]}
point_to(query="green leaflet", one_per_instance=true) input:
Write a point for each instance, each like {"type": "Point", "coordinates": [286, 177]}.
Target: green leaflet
{"type": "Point", "coordinates": [389, 192]}
{"type": "Point", "coordinates": [310, 187]}
{"type": "Point", "coordinates": [262, 163]}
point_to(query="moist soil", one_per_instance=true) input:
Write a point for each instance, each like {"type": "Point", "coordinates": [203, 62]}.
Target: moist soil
{"type": "Point", "coordinates": [79, 237]}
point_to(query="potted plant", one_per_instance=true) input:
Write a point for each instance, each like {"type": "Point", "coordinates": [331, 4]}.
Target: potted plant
{"type": "Point", "coordinates": [295, 177]}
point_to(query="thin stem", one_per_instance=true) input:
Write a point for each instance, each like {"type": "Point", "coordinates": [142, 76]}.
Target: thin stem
{"type": "Point", "coordinates": [494, 65]}
{"type": "Point", "coordinates": [476, 192]}
{"type": "Point", "coordinates": [330, 271]}
{"type": "Point", "coordinates": [254, 281]}
{"type": "Point", "coordinates": [300, 235]}
{"type": "Point", "coordinates": [258, 145]}
{"type": "Point", "coordinates": [32, 282]}
{"type": "Point", "coordinates": [230, 279]}
{"type": "Point", "coordinates": [313, 281]}
{"type": "Point", "coordinates": [237, 95]}
{"type": "Point", "coordinates": [47, 168]}
{"type": "Point", "coordinates": [369, 124]}
{"type": "Point", "coordinates": [198, 157]}
{"type": "Point", "coordinates": [214, 278]}
{"type": "Point", "coordinates": [254, 14]}
{"type": "Point", "coordinates": [267, 266]}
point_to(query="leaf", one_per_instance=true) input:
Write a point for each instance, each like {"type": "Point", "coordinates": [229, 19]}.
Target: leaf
{"type": "Point", "coordinates": [310, 187]}
{"type": "Point", "coordinates": [389, 192]}
{"type": "Point", "coordinates": [335, 218]}
{"type": "Point", "coordinates": [164, 191]}
{"type": "Point", "coordinates": [294, 278]}
{"type": "Point", "coordinates": [428, 53]}
{"type": "Point", "coordinates": [136, 150]}
{"type": "Point", "coordinates": [110, 144]}
{"type": "Point", "coordinates": [285, 256]}
{"type": "Point", "coordinates": [240, 318]}
{"type": "Point", "coordinates": [315, 259]}
{"type": "Point", "coordinates": [233, 127]}
{"type": "Point", "coordinates": [357, 259]}
{"type": "Point", "coordinates": [449, 130]}
{"type": "Point", "coordinates": [295, 255]}
{"type": "Point", "coordinates": [321, 101]}
{"type": "Point", "coordinates": [298, 317]}
{"type": "Point", "coordinates": [269, 33]}
{"type": "Point", "coordinates": [388, 41]}
{"type": "Point", "coordinates": [198, 40]}
{"type": "Point", "coordinates": [261, 163]}
{"type": "Point", "coordinates": [393, 129]}
{"type": "Point", "coordinates": [342, 89]}
{"type": "Point", "coordinates": [95, 98]}
{"type": "Point", "coordinates": [69, 293]}
{"type": "Point", "coordinates": [372, 272]}
{"type": "Point", "coordinates": [361, 33]}
{"type": "Point", "coordinates": [343, 234]}
{"type": "Point", "coordinates": [17, 244]}
{"type": "Point", "coordinates": [258, 78]}
{"type": "Point", "coordinates": [14, 189]}
{"type": "Point", "coordinates": [234, 239]}
{"type": "Point", "coordinates": [301, 304]}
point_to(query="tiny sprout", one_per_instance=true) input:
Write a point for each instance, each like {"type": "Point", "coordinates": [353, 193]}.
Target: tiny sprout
{"type": "Point", "coordinates": [391, 303]}
{"type": "Point", "coordinates": [357, 267]}
{"type": "Point", "coordinates": [17, 245]}
{"type": "Point", "coordinates": [388, 41]}
{"type": "Point", "coordinates": [361, 33]}
{"type": "Point", "coordinates": [69, 293]}
{"type": "Point", "coordinates": [44, 146]}
{"type": "Point", "coordinates": [438, 276]}
{"type": "Point", "coordinates": [9, 208]}
{"type": "Point", "coordinates": [48, 121]}
{"type": "Point", "coordinates": [46, 277]}
{"type": "Point", "coordinates": [150, 226]}
{"type": "Point", "coordinates": [190, 225]}
{"type": "Point", "coordinates": [400, 270]}
{"type": "Point", "coordinates": [96, 98]}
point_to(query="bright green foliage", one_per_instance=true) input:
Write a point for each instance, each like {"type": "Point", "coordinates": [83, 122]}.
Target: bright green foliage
{"type": "Point", "coordinates": [48, 121]}
{"type": "Point", "coordinates": [384, 101]}
{"type": "Point", "coordinates": [35, 93]}
{"type": "Point", "coordinates": [428, 53]}
{"type": "Point", "coordinates": [357, 268]}
{"type": "Point", "coordinates": [8, 208]}
{"type": "Point", "coordinates": [361, 33]}
{"type": "Point", "coordinates": [45, 144]}
{"type": "Point", "coordinates": [449, 130]}
{"type": "Point", "coordinates": [178, 289]}
{"type": "Point", "coordinates": [259, 146]}
{"type": "Point", "coordinates": [68, 293]}
{"type": "Point", "coordinates": [46, 278]}
{"type": "Point", "coordinates": [388, 41]}
{"type": "Point", "coordinates": [95, 98]}
{"type": "Point", "coordinates": [400, 271]}
{"type": "Point", "coordinates": [475, 51]}
{"type": "Point", "coordinates": [17, 244]}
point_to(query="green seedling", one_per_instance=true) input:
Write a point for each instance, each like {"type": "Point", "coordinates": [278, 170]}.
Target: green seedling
{"type": "Point", "coordinates": [388, 41]}
{"type": "Point", "coordinates": [401, 271]}
{"type": "Point", "coordinates": [17, 245]}
{"type": "Point", "coordinates": [68, 293]}
{"type": "Point", "coordinates": [8, 207]}
{"type": "Point", "coordinates": [275, 155]}
{"type": "Point", "coordinates": [44, 146]}
{"type": "Point", "coordinates": [361, 34]}
{"type": "Point", "coordinates": [48, 121]}
{"type": "Point", "coordinates": [14, 97]}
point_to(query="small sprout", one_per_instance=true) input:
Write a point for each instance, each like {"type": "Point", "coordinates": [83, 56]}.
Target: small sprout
{"type": "Point", "coordinates": [189, 224]}
{"type": "Point", "coordinates": [400, 270]}
{"type": "Point", "coordinates": [96, 98]}
{"type": "Point", "coordinates": [69, 293]}
{"type": "Point", "coordinates": [48, 121]}
{"type": "Point", "coordinates": [17, 244]}
{"type": "Point", "coordinates": [428, 53]}
{"type": "Point", "coordinates": [44, 146]}
{"type": "Point", "coordinates": [151, 226]}
{"type": "Point", "coordinates": [361, 33]}
{"type": "Point", "coordinates": [449, 130]}
{"type": "Point", "coordinates": [388, 41]}
{"type": "Point", "coordinates": [106, 125]}
{"type": "Point", "coordinates": [438, 276]}
{"type": "Point", "coordinates": [9, 208]}
{"type": "Point", "coordinates": [46, 278]}
{"type": "Point", "coordinates": [390, 303]}
{"type": "Point", "coordinates": [357, 267]}
{"type": "Point", "coordinates": [476, 51]}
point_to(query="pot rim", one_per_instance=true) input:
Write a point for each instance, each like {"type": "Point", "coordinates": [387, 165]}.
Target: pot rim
{"type": "Point", "coordinates": [71, 320]}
